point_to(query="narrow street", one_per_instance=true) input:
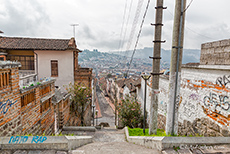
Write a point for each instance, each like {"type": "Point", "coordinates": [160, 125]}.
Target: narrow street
{"type": "Point", "coordinates": [110, 140]}
{"type": "Point", "coordinates": [105, 109]}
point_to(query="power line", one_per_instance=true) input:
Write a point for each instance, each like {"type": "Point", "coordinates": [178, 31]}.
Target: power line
{"type": "Point", "coordinates": [134, 25]}
{"type": "Point", "coordinates": [127, 22]}
{"type": "Point", "coordinates": [138, 36]}
{"type": "Point", "coordinates": [122, 27]}
{"type": "Point", "coordinates": [188, 28]}
{"type": "Point", "coordinates": [188, 6]}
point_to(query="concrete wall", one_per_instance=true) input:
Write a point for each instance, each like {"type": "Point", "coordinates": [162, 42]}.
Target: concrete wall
{"type": "Point", "coordinates": [65, 66]}
{"type": "Point", "coordinates": [215, 53]}
{"type": "Point", "coordinates": [204, 101]}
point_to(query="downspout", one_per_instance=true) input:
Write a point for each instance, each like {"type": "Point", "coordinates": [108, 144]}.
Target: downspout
{"type": "Point", "coordinates": [36, 64]}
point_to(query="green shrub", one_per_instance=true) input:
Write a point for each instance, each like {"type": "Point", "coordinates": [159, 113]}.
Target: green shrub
{"type": "Point", "coordinates": [130, 113]}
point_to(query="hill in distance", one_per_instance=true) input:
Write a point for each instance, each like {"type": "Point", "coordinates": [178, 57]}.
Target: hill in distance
{"type": "Point", "coordinates": [189, 55]}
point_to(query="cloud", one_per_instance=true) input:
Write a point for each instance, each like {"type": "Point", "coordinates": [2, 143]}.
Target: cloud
{"type": "Point", "coordinates": [23, 20]}
{"type": "Point", "coordinates": [87, 33]}
{"type": "Point", "coordinates": [100, 21]}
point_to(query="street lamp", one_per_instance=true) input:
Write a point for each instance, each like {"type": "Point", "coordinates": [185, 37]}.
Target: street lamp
{"type": "Point", "coordinates": [96, 116]}
{"type": "Point", "coordinates": [145, 77]}
{"type": "Point", "coordinates": [93, 113]}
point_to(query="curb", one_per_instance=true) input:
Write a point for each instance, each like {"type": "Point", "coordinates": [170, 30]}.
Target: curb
{"type": "Point", "coordinates": [76, 128]}
{"type": "Point", "coordinates": [65, 143]}
{"type": "Point", "coordinates": [163, 143]}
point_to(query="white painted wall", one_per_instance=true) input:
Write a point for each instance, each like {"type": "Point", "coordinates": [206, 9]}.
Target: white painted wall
{"type": "Point", "coordinates": [199, 91]}
{"type": "Point", "coordinates": [126, 91]}
{"type": "Point", "coordinates": [65, 66]}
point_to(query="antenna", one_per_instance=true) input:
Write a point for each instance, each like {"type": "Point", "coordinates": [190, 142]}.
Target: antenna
{"type": "Point", "coordinates": [74, 25]}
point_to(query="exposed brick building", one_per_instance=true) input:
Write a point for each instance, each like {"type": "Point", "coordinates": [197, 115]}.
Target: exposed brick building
{"type": "Point", "coordinates": [29, 110]}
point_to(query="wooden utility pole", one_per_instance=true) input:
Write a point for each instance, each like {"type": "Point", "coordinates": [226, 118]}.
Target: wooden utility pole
{"type": "Point", "coordinates": [156, 67]}
{"type": "Point", "coordinates": [175, 68]}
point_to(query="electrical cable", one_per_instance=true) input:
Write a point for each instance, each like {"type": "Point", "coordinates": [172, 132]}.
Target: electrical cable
{"type": "Point", "coordinates": [188, 6]}
{"type": "Point", "coordinates": [138, 37]}
{"type": "Point", "coordinates": [127, 22]}
{"type": "Point", "coordinates": [188, 28]}
{"type": "Point", "coordinates": [122, 27]}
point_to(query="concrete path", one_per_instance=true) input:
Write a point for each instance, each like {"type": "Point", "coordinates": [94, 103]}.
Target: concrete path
{"type": "Point", "coordinates": [110, 141]}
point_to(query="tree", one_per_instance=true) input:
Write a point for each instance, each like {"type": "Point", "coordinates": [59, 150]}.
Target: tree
{"type": "Point", "coordinates": [109, 75]}
{"type": "Point", "coordinates": [81, 96]}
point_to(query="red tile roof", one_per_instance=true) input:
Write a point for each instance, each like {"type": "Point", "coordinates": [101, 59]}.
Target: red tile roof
{"type": "Point", "coordinates": [36, 43]}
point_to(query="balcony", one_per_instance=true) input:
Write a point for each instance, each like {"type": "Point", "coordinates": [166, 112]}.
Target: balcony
{"type": "Point", "coordinates": [30, 81]}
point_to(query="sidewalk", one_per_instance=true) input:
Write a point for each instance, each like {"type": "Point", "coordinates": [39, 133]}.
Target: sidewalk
{"type": "Point", "coordinates": [97, 108]}
{"type": "Point", "coordinates": [110, 103]}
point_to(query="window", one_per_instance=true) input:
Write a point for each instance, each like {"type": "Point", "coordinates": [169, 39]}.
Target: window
{"type": "Point", "coordinates": [44, 90]}
{"type": "Point", "coordinates": [54, 68]}
{"type": "Point", "coordinates": [4, 79]}
{"type": "Point", "coordinates": [45, 105]}
{"type": "Point", "coordinates": [27, 98]}
{"type": "Point", "coordinates": [27, 62]}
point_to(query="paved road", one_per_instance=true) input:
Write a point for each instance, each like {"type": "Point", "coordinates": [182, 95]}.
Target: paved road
{"type": "Point", "coordinates": [106, 111]}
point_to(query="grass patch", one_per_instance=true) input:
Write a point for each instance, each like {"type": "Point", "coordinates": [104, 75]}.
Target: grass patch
{"type": "Point", "coordinates": [139, 132]}
{"type": "Point", "coordinates": [160, 132]}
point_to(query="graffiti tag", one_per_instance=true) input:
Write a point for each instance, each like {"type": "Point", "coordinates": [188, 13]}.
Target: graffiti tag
{"type": "Point", "coordinates": [38, 139]}
{"type": "Point", "coordinates": [223, 81]}
{"type": "Point", "coordinates": [216, 102]}
{"type": "Point", "coordinates": [24, 139]}
{"type": "Point", "coordinates": [4, 107]}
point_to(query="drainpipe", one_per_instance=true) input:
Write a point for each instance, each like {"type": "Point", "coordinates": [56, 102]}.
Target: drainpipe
{"type": "Point", "coordinates": [36, 65]}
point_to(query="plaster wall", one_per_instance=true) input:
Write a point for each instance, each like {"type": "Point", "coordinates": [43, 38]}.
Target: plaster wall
{"type": "Point", "coordinates": [204, 106]}
{"type": "Point", "coordinates": [65, 66]}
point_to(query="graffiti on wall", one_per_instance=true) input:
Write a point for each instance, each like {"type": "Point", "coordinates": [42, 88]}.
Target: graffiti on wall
{"type": "Point", "coordinates": [4, 106]}
{"type": "Point", "coordinates": [213, 98]}
{"type": "Point", "coordinates": [24, 139]}
{"type": "Point", "coordinates": [188, 107]}
{"type": "Point", "coordinates": [217, 103]}
{"type": "Point", "coordinates": [223, 81]}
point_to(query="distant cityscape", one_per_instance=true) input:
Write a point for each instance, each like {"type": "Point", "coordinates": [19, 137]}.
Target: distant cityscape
{"type": "Point", "coordinates": [117, 63]}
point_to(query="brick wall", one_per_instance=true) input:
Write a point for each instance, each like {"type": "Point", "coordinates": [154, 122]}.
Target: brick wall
{"type": "Point", "coordinates": [30, 111]}
{"type": "Point", "coordinates": [24, 111]}
{"type": "Point", "coordinates": [215, 53]}
{"type": "Point", "coordinates": [10, 119]}
{"type": "Point", "coordinates": [84, 76]}
{"type": "Point", "coordinates": [64, 112]}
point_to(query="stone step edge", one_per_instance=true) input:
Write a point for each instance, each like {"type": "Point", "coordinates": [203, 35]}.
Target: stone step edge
{"type": "Point", "coordinates": [65, 143]}
{"type": "Point", "coordinates": [163, 143]}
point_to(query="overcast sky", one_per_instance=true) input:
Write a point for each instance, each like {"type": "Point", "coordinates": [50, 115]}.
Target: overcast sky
{"type": "Point", "coordinates": [100, 21]}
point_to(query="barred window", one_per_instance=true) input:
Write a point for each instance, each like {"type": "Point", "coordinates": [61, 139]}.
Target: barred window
{"type": "Point", "coordinates": [45, 105]}
{"type": "Point", "coordinates": [54, 68]}
{"type": "Point", "coordinates": [27, 98]}
{"type": "Point", "coordinates": [4, 78]}
{"type": "Point", "coordinates": [27, 62]}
